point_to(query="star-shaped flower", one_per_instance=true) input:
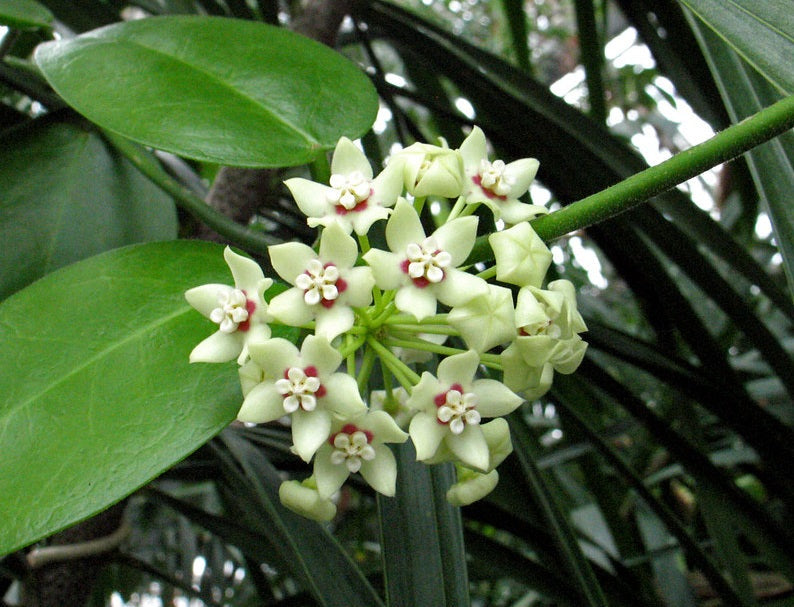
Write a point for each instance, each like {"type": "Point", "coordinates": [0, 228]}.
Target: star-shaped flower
{"type": "Point", "coordinates": [424, 269]}
{"type": "Point", "coordinates": [357, 445]}
{"type": "Point", "coordinates": [303, 385]}
{"type": "Point", "coordinates": [325, 285]}
{"type": "Point", "coordinates": [451, 407]}
{"type": "Point", "coordinates": [522, 258]}
{"type": "Point", "coordinates": [240, 312]}
{"type": "Point", "coordinates": [354, 200]}
{"type": "Point", "coordinates": [496, 184]}
{"type": "Point", "coordinates": [487, 320]}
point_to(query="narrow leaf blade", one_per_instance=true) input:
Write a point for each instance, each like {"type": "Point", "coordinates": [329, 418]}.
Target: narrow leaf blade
{"type": "Point", "coordinates": [761, 32]}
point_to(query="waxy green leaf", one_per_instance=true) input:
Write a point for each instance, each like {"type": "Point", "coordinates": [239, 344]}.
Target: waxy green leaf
{"type": "Point", "coordinates": [220, 90]}
{"type": "Point", "coordinates": [761, 32]}
{"type": "Point", "coordinates": [25, 14]}
{"type": "Point", "coordinates": [66, 196]}
{"type": "Point", "coordinates": [96, 393]}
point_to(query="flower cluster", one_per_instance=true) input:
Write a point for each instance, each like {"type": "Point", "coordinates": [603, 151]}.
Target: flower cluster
{"type": "Point", "coordinates": [412, 301]}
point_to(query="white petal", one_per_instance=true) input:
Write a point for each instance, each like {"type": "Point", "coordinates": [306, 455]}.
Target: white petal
{"type": "Point", "coordinates": [290, 308]}
{"type": "Point", "coordinates": [247, 273]}
{"type": "Point", "coordinates": [459, 287]}
{"type": "Point", "coordinates": [381, 472]}
{"type": "Point", "coordinates": [318, 352]}
{"type": "Point", "coordinates": [426, 434]}
{"type": "Point", "coordinates": [413, 300]}
{"type": "Point", "coordinates": [458, 369]}
{"type": "Point", "coordinates": [423, 393]}
{"type": "Point", "coordinates": [338, 247]}
{"type": "Point", "coordinates": [457, 238]}
{"type": "Point", "coordinates": [333, 321]}
{"type": "Point", "coordinates": [348, 158]}
{"type": "Point", "coordinates": [385, 268]}
{"type": "Point", "coordinates": [342, 396]}
{"type": "Point", "coordinates": [219, 347]}
{"type": "Point", "coordinates": [404, 227]}
{"type": "Point", "coordinates": [383, 427]}
{"type": "Point", "coordinates": [290, 259]}
{"type": "Point", "coordinates": [522, 172]}
{"type": "Point", "coordinates": [470, 447]}
{"type": "Point", "coordinates": [330, 476]}
{"type": "Point", "coordinates": [360, 281]}
{"type": "Point", "coordinates": [275, 356]}
{"type": "Point", "coordinates": [473, 150]}
{"type": "Point", "coordinates": [310, 196]}
{"type": "Point", "coordinates": [263, 404]}
{"type": "Point", "coordinates": [309, 431]}
{"type": "Point", "coordinates": [205, 298]}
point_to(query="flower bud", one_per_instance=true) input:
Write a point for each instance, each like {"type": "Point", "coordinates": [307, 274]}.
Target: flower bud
{"type": "Point", "coordinates": [432, 170]}
{"type": "Point", "coordinates": [471, 487]}
{"type": "Point", "coordinates": [306, 501]}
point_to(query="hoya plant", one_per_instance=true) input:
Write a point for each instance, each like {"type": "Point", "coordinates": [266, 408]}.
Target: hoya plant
{"type": "Point", "coordinates": [390, 303]}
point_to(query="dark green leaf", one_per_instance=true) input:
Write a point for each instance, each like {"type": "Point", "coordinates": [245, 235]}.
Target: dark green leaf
{"type": "Point", "coordinates": [96, 393]}
{"type": "Point", "coordinates": [24, 14]}
{"type": "Point", "coordinates": [761, 32]}
{"type": "Point", "coordinates": [579, 569]}
{"type": "Point", "coordinates": [67, 196]}
{"type": "Point", "coordinates": [771, 164]}
{"type": "Point", "coordinates": [311, 553]}
{"type": "Point", "coordinates": [421, 537]}
{"type": "Point", "coordinates": [220, 90]}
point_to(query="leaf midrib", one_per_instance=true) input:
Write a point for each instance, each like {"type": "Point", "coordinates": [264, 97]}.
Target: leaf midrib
{"type": "Point", "coordinates": [310, 140]}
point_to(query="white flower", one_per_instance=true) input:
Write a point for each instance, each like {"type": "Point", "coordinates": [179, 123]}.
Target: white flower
{"type": "Point", "coordinates": [424, 269]}
{"type": "Point", "coordinates": [354, 200]}
{"type": "Point", "coordinates": [303, 385]}
{"type": "Point", "coordinates": [496, 184]}
{"type": "Point", "coordinates": [357, 445]}
{"type": "Point", "coordinates": [451, 407]}
{"type": "Point", "coordinates": [240, 312]}
{"type": "Point", "coordinates": [325, 285]}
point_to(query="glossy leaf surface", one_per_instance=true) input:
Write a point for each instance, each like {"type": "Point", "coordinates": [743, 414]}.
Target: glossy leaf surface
{"type": "Point", "coordinates": [24, 14]}
{"type": "Point", "coordinates": [762, 32]}
{"type": "Point", "coordinates": [220, 90]}
{"type": "Point", "coordinates": [97, 395]}
{"type": "Point", "coordinates": [68, 196]}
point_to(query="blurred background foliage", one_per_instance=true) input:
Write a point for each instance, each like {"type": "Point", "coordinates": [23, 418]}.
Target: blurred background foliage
{"type": "Point", "coordinates": [658, 474]}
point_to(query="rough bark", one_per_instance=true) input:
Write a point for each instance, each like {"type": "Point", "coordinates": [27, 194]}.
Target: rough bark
{"type": "Point", "coordinates": [70, 583]}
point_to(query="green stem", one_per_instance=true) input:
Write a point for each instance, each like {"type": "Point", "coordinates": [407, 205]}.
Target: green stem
{"type": "Point", "coordinates": [407, 319]}
{"type": "Point", "coordinates": [414, 328]}
{"type": "Point", "coordinates": [488, 273]}
{"type": "Point", "coordinates": [367, 362]}
{"type": "Point", "coordinates": [363, 242]}
{"type": "Point", "coordinates": [456, 209]}
{"type": "Point", "coordinates": [351, 345]}
{"type": "Point", "coordinates": [254, 242]}
{"type": "Point", "coordinates": [489, 360]}
{"type": "Point", "coordinates": [730, 143]}
{"type": "Point", "coordinates": [320, 168]}
{"type": "Point", "coordinates": [388, 357]}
